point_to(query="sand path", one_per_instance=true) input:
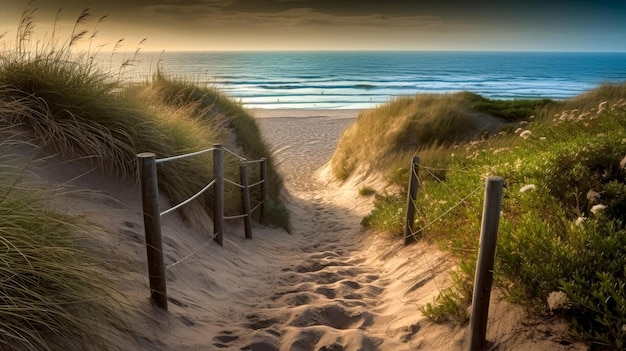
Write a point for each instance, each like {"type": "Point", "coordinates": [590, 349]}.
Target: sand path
{"type": "Point", "coordinates": [327, 286]}
{"type": "Point", "coordinates": [326, 296]}
{"type": "Point", "coordinates": [329, 293]}
{"type": "Point", "coordinates": [342, 289]}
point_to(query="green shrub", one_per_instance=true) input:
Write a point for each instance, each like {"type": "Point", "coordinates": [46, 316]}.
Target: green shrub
{"type": "Point", "coordinates": [388, 214]}
{"type": "Point", "coordinates": [589, 167]}
{"type": "Point", "coordinates": [596, 284]}
{"type": "Point", "coordinates": [366, 191]}
{"type": "Point", "coordinates": [448, 306]}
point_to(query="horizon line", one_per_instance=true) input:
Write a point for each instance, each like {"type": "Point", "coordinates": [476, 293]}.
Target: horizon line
{"type": "Point", "coordinates": [386, 50]}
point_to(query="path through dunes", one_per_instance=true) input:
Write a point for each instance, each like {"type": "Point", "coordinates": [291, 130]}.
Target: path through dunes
{"type": "Point", "coordinates": [327, 286]}
{"type": "Point", "coordinates": [331, 297]}
{"type": "Point", "coordinates": [343, 289]}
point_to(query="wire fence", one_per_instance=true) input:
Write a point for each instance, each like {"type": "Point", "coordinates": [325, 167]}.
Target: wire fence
{"type": "Point", "coordinates": [416, 182]}
{"type": "Point", "coordinates": [152, 214]}
{"type": "Point", "coordinates": [488, 236]}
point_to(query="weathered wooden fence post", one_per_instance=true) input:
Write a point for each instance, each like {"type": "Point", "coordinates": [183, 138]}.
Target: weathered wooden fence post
{"type": "Point", "coordinates": [245, 200]}
{"type": "Point", "coordinates": [152, 227]}
{"type": "Point", "coordinates": [262, 180]}
{"type": "Point", "coordinates": [410, 201]}
{"type": "Point", "coordinates": [218, 200]}
{"type": "Point", "coordinates": [484, 267]}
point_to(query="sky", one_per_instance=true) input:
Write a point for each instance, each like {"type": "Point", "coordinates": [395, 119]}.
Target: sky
{"type": "Point", "coordinates": [210, 25]}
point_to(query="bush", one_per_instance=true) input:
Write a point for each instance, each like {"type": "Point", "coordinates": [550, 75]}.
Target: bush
{"type": "Point", "coordinates": [388, 215]}
{"type": "Point", "coordinates": [596, 286]}
{"type": "Point", "coordinates": [589, 174]}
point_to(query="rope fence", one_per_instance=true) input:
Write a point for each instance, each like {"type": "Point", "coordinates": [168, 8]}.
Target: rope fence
{"type": "Point", "coordinates": [486, 253]}
{"type": "Point", "coordinates": [152, 214]}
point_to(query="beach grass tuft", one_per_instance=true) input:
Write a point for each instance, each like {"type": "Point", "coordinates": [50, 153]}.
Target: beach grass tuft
{"type": "Point", "coordinates": [406, 124]}
{"type": "Point", "coordinates": [54, 294]}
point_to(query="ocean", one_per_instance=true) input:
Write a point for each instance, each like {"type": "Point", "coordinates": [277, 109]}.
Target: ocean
{"type": "Point", "coordinates": [365, 79]}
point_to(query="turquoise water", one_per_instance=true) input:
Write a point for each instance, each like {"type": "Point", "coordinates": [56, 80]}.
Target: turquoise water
{"type": "Point", "coordinates": [347, 80]}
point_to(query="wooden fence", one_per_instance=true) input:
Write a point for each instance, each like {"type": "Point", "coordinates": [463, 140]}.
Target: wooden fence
{"type": "Point", "coordinates": [486, 253]}
{"type": "Point", "coordinates": [152, 215]}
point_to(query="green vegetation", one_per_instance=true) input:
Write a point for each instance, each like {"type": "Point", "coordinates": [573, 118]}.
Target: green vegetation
{"type": "Point", "coordinates": [57, 97]}
{"type": "Point", "coordinates": [562, 228]}
{"type": "Point", "coordinates": [367, 191]}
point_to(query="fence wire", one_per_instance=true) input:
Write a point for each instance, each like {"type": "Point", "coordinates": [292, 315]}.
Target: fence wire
{"type": "Point", "coordinates": [180, 157]}
{"type": "Point", "coordinates": [414, 233]}
{"type": "Point", "coordinates": [241, 159]}
{"type": "Point", "coordinates": [193, 253]}
{"type": "Point", "coordinates": [203, 190]}
{"type": "Point", "coordinates": [207, 187]}
{"type": "Point", "coordinates": [422, 189]}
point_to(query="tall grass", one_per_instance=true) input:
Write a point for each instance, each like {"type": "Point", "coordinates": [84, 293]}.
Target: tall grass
{"type": "Point", "coordinates": [54, 295]}
{"type": "Point", "coordinates": [212, 106]}
{"type": "Point", "coordinates": [77, 110]}
{"type": "Point", "coordinates": [562, 225]}
{"type": "Point", "coordinates": [407, 124]}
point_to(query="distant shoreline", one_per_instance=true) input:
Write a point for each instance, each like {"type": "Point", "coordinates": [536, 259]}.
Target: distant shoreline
{"type": "Point", "coordinates": [367, 79]}
{"type": "Point", "coordinates": [305, 113]}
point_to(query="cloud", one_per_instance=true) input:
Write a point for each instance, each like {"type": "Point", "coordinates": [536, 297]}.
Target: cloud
{"type": "Point", "coordinates": [180, 13]}
{"type": "Point", "coordinates": [303, 17]}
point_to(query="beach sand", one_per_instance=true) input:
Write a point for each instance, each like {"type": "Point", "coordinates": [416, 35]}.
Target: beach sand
{"type": "Point", "coordinates": [326, 286]}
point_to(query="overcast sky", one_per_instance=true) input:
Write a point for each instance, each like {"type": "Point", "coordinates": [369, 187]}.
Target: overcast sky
{"type": "Point", "coordinates": [171, 25]}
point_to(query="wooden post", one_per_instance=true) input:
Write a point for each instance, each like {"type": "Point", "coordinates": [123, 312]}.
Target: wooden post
{"type": "Point", "coordinates": [410, 201]}
{"type": "Point", "coordinates": [152, 227]}
{"type": "Point", "coordinates": [218, 199]}
{"type": "Point", "coordinates": [245, 200]}
{"type": "Point", "coordinates": [263, 187]}
{"type": "Point", "coordinates": [484, 267]}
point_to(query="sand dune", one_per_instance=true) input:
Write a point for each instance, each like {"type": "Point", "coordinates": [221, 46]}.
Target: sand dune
{"type": "Point", "coordinates": [328, 286]}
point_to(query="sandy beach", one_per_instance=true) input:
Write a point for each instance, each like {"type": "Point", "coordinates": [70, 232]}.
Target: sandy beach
{"type": "Point", "coordinates": [302, 141]}
{"type": "Point", "coordinates": [326, 286]}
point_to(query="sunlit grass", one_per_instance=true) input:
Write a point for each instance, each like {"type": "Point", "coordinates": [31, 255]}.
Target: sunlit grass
{"type": "Point", "coordinates": [75, 109]}
{"type": "Point", "coordinates": [405, 125]}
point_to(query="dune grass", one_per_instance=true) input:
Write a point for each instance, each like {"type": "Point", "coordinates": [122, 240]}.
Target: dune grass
{"type": "Point", "coordinates": [77, 110]}
{"type": "Point", "coordinates": [57, 97]}
{"type": "Point", "coordinates": [405, 124]}
{"type": "Point", "coordinates": [223, 113]}
{"type": "Point", "coordinates": [562, 226]}
{"type": "Point", "coordinates": [54, 294]}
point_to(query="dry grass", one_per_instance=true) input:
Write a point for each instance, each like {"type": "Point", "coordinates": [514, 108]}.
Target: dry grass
{"type": "Point", "coordinates": [74, 109]}
{"type": "Point", "coordinates": [407, 124]}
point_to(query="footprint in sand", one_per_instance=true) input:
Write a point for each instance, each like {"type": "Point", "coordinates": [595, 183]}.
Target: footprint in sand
{"type": "Point", "coordinates": [324, 301]}
{"type": "Point", "coordinates": [321, 299]}
{"type": "Point", "coordinates": [223, 340]}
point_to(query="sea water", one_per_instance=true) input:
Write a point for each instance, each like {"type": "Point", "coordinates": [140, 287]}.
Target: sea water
{"type": "Point", "coordinates": [365, 79]}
